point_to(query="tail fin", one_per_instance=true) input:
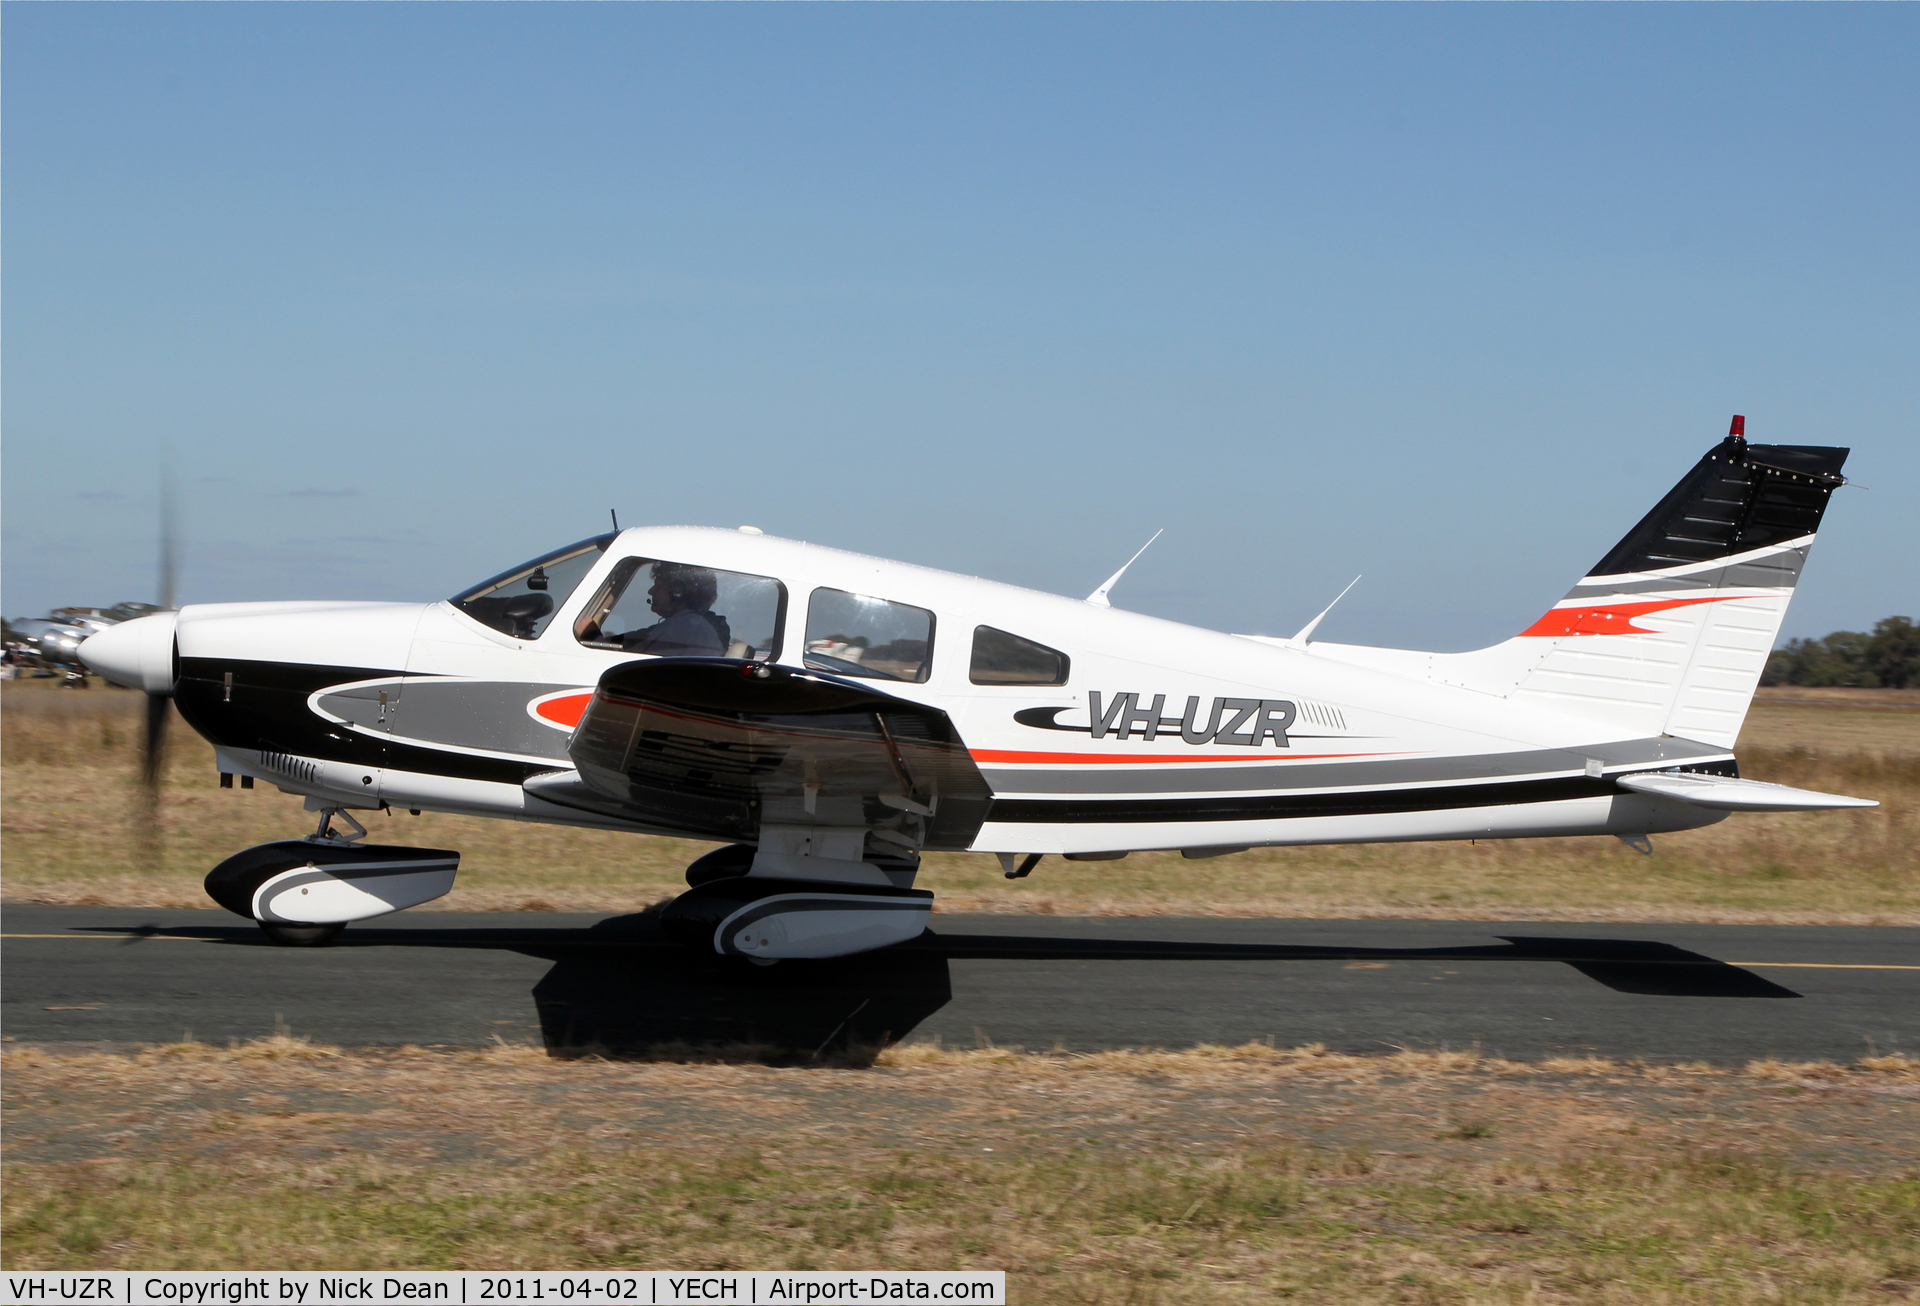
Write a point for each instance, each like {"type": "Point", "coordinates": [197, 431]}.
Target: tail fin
{"type": "Point", "coordinates": [1669, 632]}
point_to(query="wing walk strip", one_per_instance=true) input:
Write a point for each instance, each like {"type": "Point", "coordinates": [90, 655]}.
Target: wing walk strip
{"type": "Point", "coordinates": [131, 936]}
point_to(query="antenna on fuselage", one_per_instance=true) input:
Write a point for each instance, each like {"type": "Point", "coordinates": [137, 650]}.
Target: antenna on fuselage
{"type": "Point", "coordinates": [1300, 640]}
{"type": "Point", "coordinates": [616, 520]}
{"type": "Point", "coordinates": [1099, 597]}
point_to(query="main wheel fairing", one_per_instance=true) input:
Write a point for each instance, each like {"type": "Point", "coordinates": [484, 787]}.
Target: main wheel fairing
{"type": "Point", "coordinates": [769, 918]}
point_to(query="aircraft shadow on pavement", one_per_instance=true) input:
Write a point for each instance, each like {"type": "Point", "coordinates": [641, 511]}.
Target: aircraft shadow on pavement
{"type": "Point", "coordinates": [653, 991]}
{"type": "Point", "coordinates": [1624, 965]}
{"type": "Point", "coordinates": [622, 986]}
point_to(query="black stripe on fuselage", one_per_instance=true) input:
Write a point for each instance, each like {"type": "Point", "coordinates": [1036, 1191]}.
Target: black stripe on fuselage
{"type": "Point", "coordinates": [1274, 807]}
{"type": "Point", "coordinates": [267, 710]}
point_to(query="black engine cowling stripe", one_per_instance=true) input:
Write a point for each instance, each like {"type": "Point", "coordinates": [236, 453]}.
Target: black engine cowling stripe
{"type": "Point", "coordinates": [267, 710]}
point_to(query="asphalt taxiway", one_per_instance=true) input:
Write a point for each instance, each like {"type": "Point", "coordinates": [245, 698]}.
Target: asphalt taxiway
{"type": "Point", "coordinates": [1664, 992]}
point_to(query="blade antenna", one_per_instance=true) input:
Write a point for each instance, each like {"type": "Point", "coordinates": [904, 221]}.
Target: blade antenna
{"type": "Point", "coordinates": [1300, 640]}
{"type": "Point", "coordinates": [1099, 597]}
{"type": "Point", "coordinates": [616, 520]}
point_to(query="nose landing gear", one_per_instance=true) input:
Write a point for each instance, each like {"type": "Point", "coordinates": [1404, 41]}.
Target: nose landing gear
{"type": "Point", "coordinates": [303, 892]}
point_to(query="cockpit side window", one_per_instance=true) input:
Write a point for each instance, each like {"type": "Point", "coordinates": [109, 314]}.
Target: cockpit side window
{"type": "Point", "coordinates": [521, 602]}
{"type": "Point", "coordinates": [1003, 659]}
{"type": "Point", "coordinates": [676, 609]}
{"type": "Point", "coordinates": [853, 635]}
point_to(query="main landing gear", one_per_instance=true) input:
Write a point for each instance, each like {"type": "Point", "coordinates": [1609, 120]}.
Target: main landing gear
{"type": "Point", "coordinates": [764, 918]}
{"type": "Point", "coordinates": [304, 892]}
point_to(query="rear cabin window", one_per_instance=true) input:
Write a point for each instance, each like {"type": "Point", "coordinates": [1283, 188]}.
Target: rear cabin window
{"type": "Point", "coordinates": [521, 602]}
{"type": "Point", "coordinates": [675, 609]}
{"type": "Point", "coordinates": [1003, 659]}
{"type": "Point", "coordinates": [853, 635]}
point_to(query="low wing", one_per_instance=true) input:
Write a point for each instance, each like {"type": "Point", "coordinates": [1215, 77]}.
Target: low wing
{"type": "Point", "coordinates": [1725, 794]}
{"type": "Point", "coordinates": [716, 747]}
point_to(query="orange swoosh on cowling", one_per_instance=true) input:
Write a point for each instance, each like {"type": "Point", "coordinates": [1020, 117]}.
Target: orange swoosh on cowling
{"type": "Point", "coordinates": [565, 711]}
{"type": "Point", "coordinates": [1610, 619]}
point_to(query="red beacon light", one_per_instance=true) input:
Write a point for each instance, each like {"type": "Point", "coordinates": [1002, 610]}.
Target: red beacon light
{"type": "Point", "coordinates": [1739, 426]}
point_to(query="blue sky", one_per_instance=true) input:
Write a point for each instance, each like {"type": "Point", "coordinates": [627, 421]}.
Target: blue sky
{"type": "Point", "coordinates": [1444, 295]}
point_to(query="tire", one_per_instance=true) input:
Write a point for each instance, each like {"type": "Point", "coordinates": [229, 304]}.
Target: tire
{"type": "Point", "coordinates": [300, 936]}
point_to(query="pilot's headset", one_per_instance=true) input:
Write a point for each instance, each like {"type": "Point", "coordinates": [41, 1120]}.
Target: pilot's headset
{"type": "Point", "coordinates": [687, 587]}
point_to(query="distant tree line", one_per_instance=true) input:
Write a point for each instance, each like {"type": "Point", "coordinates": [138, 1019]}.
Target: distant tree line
{"type": "Point", "coordinates": [1889, 657]}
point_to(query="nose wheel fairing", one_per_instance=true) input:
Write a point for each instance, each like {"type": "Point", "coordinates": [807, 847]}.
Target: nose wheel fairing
{"type": "Point", "coordinates": [324, 882]}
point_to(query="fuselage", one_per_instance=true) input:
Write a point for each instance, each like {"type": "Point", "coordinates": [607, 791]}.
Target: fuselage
{"type": "Point", "coordinates": [1122, 732]}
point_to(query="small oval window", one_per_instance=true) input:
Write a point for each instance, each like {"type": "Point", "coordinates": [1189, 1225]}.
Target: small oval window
{"type": "Point", "coordinates": [1003, 659]}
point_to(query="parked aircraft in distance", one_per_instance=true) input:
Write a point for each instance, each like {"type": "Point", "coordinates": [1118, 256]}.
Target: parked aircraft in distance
{"type": "Point", "coordinates": [56, 638]}
{"type": "Point", "coordinates": [827, 717]}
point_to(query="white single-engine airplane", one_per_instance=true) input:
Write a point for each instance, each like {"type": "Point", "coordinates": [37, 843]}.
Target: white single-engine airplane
{"type": "Point", "coordinates": [828, 716]}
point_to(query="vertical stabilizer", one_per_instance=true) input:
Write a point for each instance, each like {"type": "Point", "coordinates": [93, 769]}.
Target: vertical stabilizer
{"type": "Point", "coordinates": [1669, 632]}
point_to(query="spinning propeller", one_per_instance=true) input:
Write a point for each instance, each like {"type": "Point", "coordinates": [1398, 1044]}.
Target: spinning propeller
{"type": "Point", "coordinates": [139, 654]}
{"type": "Point", "coordinates": [154, 743]}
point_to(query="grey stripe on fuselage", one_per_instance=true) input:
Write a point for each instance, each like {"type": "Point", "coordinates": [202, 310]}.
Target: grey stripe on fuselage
{"type": "Point", "coordinates": [484, 714]}
{"type": "Point", "coordinates": [1189, 779]}
{"type": "Point", "coordinates": [1775, 571]}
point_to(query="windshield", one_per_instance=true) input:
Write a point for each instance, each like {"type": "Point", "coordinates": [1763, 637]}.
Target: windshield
{"type": "Point", "coordinates": [521, 602]}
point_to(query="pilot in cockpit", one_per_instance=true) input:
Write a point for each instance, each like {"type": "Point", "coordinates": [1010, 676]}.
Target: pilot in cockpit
{"type": "Point", "coordinates": [683, 597]}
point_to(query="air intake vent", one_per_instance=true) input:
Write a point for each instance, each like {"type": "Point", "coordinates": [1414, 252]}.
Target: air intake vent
{"type": "Point", "coordinates": [1320, 714]}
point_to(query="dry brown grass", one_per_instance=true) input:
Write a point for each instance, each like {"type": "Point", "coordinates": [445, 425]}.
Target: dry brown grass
{"type": "Point", "coordinates": [69, 799]}
{"type": "Point", "coordinates": [1234, 1062]}
{"type": "Point", "coordinates": [1244, 1174]}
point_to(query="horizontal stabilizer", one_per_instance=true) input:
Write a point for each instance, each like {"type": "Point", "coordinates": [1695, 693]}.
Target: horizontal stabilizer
{"type": "Point", "coordinates": [1725, 794]}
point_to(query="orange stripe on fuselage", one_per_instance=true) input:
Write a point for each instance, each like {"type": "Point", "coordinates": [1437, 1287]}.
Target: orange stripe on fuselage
{"type": "Point", "coordinates": [566, 711]}
{"type": "Point", "coordinates": [569, 710]}
{"type": "Point", "coordinates": [1610, 619]}
{"type": "Point", "coordinates": [1075, 759]}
